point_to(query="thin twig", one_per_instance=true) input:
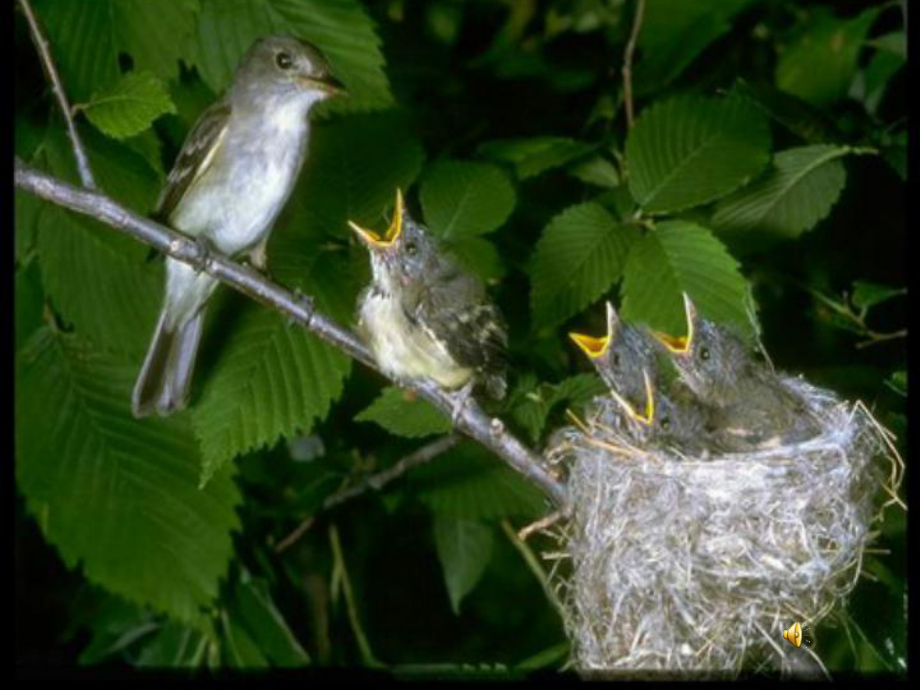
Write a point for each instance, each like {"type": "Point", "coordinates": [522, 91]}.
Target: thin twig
{"type": "Point", "coordinates": [360, 637]}
{"type": "Point", "coordinates": [375, 482]}
{"type": "Point", "coordinates": [472, 420]}
{"type": "Point", "coordinates": [627, 62]}
{"type": "Point", "coordinates": [44, 52]}
{"type": "Point", "coordinates": [534, 566]}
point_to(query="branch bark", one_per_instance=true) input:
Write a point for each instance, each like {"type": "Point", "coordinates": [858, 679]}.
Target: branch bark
{"type": "Point", "coordinates": [44, 52]}
{"type": "Point", "coordinates": [472, 421]}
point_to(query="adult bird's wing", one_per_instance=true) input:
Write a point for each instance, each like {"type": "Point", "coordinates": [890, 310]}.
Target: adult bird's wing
{"type": "Point", "coordinates": [197, 155]}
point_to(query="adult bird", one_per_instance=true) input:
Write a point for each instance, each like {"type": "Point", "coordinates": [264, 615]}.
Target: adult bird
{"type": "Point", "coordinates": [232, 177]}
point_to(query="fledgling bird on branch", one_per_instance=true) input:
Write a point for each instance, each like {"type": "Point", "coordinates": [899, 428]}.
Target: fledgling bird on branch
{"type": "Point", "coordinates": [233, 175]}
{"type": "Point", "coordinates": [753, 409]}
{"type": "Point", "coordinates": [647, 409]}
{"type": "Point", "coordinates": [424, 316]}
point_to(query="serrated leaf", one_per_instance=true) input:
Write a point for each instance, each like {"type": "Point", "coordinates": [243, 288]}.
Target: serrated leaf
{"type": "Point", "coordinates": [597, 171]}
{"type": "Point", "coordinates": [468, 482]}
{"type": "Point", "coordinates": [87, 38]}
{"type": "Point", "coordinates": [531, 405]}
{"type": "Point", "coordinates": [465, 198]}
{"type": "Point", "coordinates": [866, 295]}
{"type": "Point", "coordinates": [116, 494]}
{"type": "Point", "coordinates": [580, 255]}
{"type": "Point", "coordinates": [464, 549]}
{"type": "Point", "coordinates": [399, 415]}
{"type": "Point", "coordinates": [129, 106]}
{"type": "Point", "coordinates": [674, 33]}
{"type": "Point", "coordinates": [819, 64]}
{"type": "Point", "coordinates": [478, 255]}
{"type": "Point", "coordinates": [110, 298]}
{"type": "Point", "coordinates": [341, 29]}
{"type": "Point", "coordinates": [534, 155]}
{"type": "Point", "coordinates": [255, 611]}
{"type": "Point", "coordinates": [681, 257]}
{"type": "Point", "coordinates": [30, 302]}
{"type": "Point", "coordinates": [690, 150]}
{"type": "Point", "coordinates": [791, 197]}
{"type": "Point", "coordinates": [271, 379]}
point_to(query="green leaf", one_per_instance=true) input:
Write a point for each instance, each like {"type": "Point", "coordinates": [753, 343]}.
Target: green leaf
{"type": "Point", "coordinates": [597, 171]}
{"type": "Point", "coordinates": [689, 150]}
{"type": "Point", "coordinates": [866, 295]}
{"type": "Point", "coordinates": [479, 256]}
{"type": "Point", "coordinates": [240, 649]}
{"type": "Point", "coordinates": [580, 255]}
{"type": "Point", "coordinates": [468, 482]}
{"type": "Point", "coordinates": [819, 65]}
{"type": "Point", "coordinates": [681, 257]}
{"type": "Point", "coordinates": [791, 112]}
{"type": "Point", "coordinates": [174, 646]}
{"type": "Point", "coordinates": [534, 155]}
{"type": "Point", "coordinates": [87, 38]}
{"type": "Point", "coordinates": [791, 197]}
{"type": "Point", "coordinates": [341, 29]}
{"type": "Point", "coordinates": [270, 379]}
{"type": "Point", "coordinates": [399, 415]}
{"type": "Point", "coordinates": [465, 198]}
{"type": "Point", "coordinates": [464, 549]}
{"type": "Point", "coordinates": [870, 84]}
{"type": "Point", "coordinates": [26, 211]}
{"type": "Point", "coordinates": [898, 382]}
{"type": "Point", "coordinates": [110, 297]}
{"type": "Point", "coordinates": [674, 33]}
{"type": "Point", "coordinates": [30, 302]}
{"type": "Point", "coordinates": [130, 106]}
{"type": "Point", "coordinates": [255, 611]}
{"type": "Point", "coordinates": [895, 154]}
{"type": "Point", "coordinates": [118, 495]}
{"type": "Point", "coordinates": [531, 404]}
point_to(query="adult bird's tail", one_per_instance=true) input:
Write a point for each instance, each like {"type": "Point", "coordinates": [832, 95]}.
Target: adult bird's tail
{"type": "Point", "coordinates": [166, 376]}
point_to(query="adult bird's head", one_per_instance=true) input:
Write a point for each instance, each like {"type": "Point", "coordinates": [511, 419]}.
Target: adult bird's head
{"type": "Point", "coordinates": [284, 66]}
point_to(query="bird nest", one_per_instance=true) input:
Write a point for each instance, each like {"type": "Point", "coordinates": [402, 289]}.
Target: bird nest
{"type": "Point", "coordinates": [680, 565]}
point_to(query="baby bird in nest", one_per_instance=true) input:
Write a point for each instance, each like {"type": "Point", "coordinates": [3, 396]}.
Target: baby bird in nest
{"type": "Point", "coordinates": [752, 408]}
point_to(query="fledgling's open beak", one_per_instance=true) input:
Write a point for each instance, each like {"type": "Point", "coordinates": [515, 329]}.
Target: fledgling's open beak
{"type": "Point", "coordinates": [680, 345]}
{"type": "Point", "coordinates": [595, 347]}
{"type": "Point", "coordinates": [647, 417]}
{"type": "Point", "coordinates": [385, 241]}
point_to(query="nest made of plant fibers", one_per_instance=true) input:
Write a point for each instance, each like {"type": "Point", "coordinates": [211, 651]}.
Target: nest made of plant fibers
{"type": "Point", "coordinates": [687, 566]}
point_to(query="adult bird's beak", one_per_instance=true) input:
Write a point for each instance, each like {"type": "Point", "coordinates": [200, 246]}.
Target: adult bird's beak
{"type": "Point", "coordinates": [329, 84]}
{"type": "Point", "coordinates": [375, 241]}
{"type": "Point", "coordinates": [680, 345]}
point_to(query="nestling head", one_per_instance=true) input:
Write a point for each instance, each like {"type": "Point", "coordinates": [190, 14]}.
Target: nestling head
{"type": "Point", "coordinates": [404, 252]}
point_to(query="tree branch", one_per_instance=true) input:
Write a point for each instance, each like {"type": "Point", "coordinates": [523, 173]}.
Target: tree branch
{"type": "Point", "coordinates": [376, 482]}
{"type": "Point", "coordinates": [472, 421]}
{"type": "Point", "coordinates": [628, 59]}
{"type": "Point", "coordinates": [44, 52]}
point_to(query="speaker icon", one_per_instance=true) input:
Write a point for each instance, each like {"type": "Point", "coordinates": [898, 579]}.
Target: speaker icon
{"type": "Point", "coordinates": [796, 635]}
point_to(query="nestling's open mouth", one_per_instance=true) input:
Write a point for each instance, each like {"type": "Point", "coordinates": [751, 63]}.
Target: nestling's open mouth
{"type": "Point", "coordinates": [376, 241]}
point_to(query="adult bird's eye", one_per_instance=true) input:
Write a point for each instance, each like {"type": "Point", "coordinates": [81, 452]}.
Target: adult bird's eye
{"type": "Point", "coordinates": [616, 359]}
{"type": "Point", "coordinates": [665, 423]}
{"type": "Point", "coordinates": [704, 353]}
{"type": "Point", "coordinates": [411, 248]}
{"type": "Point", "coordinates": [284, 61]}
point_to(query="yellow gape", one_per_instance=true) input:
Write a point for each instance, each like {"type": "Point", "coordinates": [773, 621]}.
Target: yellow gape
{"type": "Point", "coordinates": [393, 232]}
